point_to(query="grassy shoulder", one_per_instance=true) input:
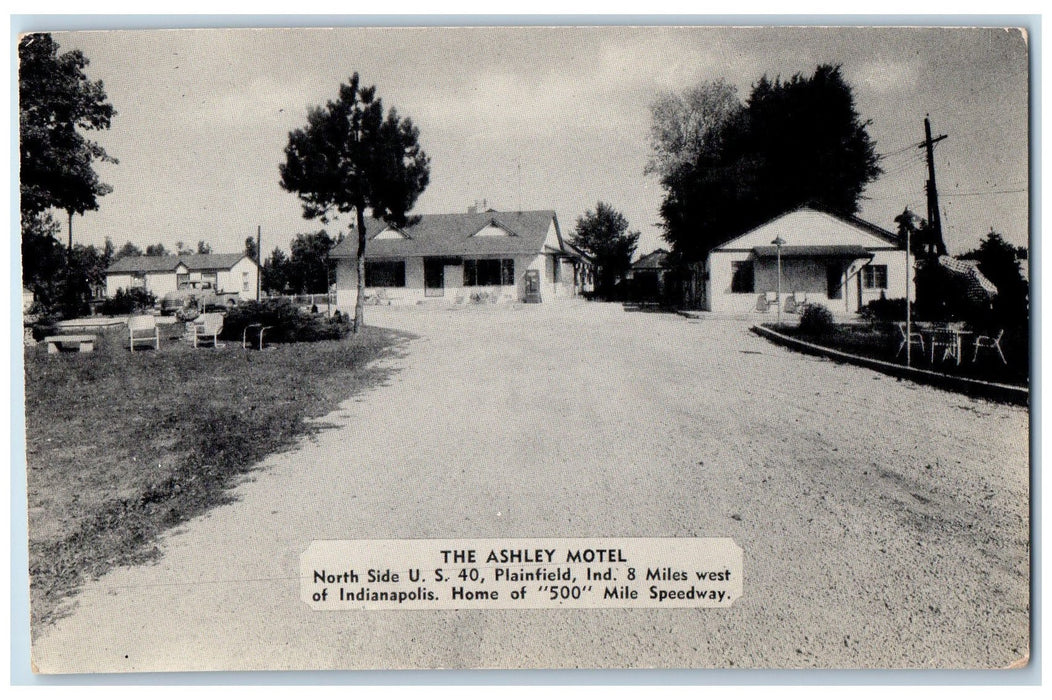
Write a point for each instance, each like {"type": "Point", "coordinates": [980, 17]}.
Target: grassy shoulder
{"type": "Point", "coordinates": [121, 446]}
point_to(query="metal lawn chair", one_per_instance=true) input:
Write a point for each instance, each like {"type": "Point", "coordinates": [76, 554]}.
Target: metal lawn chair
{"type": "Point", "coordinates": [143, 329]}
{"type": "Point", "coordinates": [914, 338]}
{"type": "Point", "coordinates": [793, 305]}
{"type": "Point", "coordinates": [990, 343]}
{"type": "Point", "coordinates": [206, 329]}
{"type": "Point", "coordinates": [946, 339]}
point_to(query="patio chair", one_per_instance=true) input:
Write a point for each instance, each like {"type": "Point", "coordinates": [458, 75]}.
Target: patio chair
{"type": "Point", "coordinates": [990, 343]}
{"type": "Point", "coordinates": [206, 329]}
{"type": "Point", "coordinates": [143, 329]}
{"type": "Point", "coordinates": [761, 303]}
{"type": "Point", "coordinates": [947, 340]}
{"type": "Point", "coordinates": [257, 329]}
{"type": "Point", "coordinates": [795, 303]}
{"type": "Point", "coordinates": [914, 338]}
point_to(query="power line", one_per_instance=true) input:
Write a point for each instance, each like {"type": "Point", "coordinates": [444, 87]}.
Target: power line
{"type": "Point", "coordinates": [988, 192]}
{"type": "Point", "coordinates": [904, 149]}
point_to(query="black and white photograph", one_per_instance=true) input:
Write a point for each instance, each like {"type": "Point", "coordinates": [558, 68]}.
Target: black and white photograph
{"type": "Point", "coordinates": [526, 347]}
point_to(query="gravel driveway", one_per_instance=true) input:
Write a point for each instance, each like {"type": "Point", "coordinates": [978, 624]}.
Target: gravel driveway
{"type": "Point", "coordinates": [884, 524]}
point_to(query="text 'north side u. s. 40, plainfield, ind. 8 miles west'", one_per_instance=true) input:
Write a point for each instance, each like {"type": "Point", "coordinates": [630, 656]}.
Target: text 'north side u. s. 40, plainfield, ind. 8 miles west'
{"type": "Point", "coordinates": [630, 572]}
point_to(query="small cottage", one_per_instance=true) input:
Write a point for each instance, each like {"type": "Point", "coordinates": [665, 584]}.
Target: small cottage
{"type": "Point", "coordinates": [648, 276]}
{"type": "Point", "coordinates": [841, 263]}
{"type": "Point", "coordinates": [478, 255]}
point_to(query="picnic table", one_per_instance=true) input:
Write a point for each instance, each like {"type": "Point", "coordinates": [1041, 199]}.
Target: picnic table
{"type": "Point", "coordinates": [83, 343]}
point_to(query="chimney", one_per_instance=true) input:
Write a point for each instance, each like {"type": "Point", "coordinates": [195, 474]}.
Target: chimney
{"type": "Point", "coordinates": [473, 209]}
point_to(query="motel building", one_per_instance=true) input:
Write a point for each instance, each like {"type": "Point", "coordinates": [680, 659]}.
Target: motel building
{"type": "Point", "coordinates": [489, 256]}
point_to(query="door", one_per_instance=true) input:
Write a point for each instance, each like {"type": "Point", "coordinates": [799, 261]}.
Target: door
{"type": "Point", "coordinates": [434, 278]}
{"type": "Point", "coordinates": [533, 286]}
{"type": "Point", "coordinates": [834, 281]}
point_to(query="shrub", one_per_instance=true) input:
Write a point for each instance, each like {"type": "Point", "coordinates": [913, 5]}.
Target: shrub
{"type": "Point", "coordinates": [126, 302]}
{"type": "Point", "coordinates": [43, 326]}
{"type": "Point", "coordinates": [885, 310]}
{"type": "Point", "coordinates": [816, 319]}
{"type": "Point", "coordinates": [288, 324]}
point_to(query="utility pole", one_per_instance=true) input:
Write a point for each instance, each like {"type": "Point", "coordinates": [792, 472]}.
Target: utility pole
{"type": "Point", "coordinates": [934, 220]}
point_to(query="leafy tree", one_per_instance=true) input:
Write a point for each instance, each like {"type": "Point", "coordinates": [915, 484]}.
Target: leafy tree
{"type": "Point", "coordinates": [128, 250]}
{"type": "Point", "coordinates": [310, 271]}
{"type": "Point", "coordinates": [43, 258]}
{"type": "Point", "coordinates": [604, 235]}
{"type": "Point", "coordinates": [56, 102]}
{"type": "Point", "coordinates": [203, 248]}
{"type": "Point", "coordinates": [998, 260]}
{"type": "Point", "coordinates": [156, 249]}
{"type": "Point", "coordinates": [687, 127]}
{"type": "Point", "coordinates": [275, 273]}
{"type": "Point", "coordinates": [250, 249]}
{"type": "Point", "coordinates": [351, 157]}
{"type": "Point", "coordinates": [793, 143]}
{"type": "Point", "coordinates": [91, 263]}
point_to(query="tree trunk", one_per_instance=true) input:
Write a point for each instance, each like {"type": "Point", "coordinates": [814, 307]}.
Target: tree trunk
{"type": "Point", "coordinates": [359, 304]}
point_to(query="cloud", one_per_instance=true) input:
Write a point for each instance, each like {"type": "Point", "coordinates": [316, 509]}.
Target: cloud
{"type": "Point", "coordinates": [885, 76]}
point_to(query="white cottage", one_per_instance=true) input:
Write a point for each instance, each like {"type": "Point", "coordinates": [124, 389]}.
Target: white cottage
{"type": "Point", "coordinates": [499, 256]}
{"type": "Point", "coordinates": [162, 274]}
{"type": "Point", "coordinates": [841, 263]}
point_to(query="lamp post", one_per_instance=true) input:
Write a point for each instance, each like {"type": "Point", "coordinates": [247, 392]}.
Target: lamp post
{"type": "Point", "coordinates": [909, 318]}
{"type": "Point", "coordinates": [778, 243]}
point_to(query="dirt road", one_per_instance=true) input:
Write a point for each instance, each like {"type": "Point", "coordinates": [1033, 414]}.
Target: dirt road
{"type": "Point", "coordinates": [884, 524]}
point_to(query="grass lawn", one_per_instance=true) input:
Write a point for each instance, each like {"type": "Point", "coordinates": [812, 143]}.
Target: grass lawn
{"type": "Point", "coordinates": [881, 342]}
{"type": "Point", "coordinates": [121, 446]}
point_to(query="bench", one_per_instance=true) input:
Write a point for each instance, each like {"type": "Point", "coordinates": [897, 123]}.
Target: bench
{"type": "Point", "coordinates": [83, 343]}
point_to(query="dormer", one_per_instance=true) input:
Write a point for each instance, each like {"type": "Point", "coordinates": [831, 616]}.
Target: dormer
{"type": "Point", "coordinates": [391, 234]}
{"type": "Point", "coordinates": [493, 229]}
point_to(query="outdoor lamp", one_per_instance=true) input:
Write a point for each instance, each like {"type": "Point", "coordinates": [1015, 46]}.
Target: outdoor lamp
{"type": "Point", "coordinates": [778, 243]}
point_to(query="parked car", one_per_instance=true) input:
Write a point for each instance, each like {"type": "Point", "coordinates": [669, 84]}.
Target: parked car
{"type": "Point", "coordinates": [196, 297]}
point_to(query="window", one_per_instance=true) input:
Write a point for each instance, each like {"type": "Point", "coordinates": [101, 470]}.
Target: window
{"type": "Point", "coordinates": [138, 280]}
{"type": "Point", "coordinates": [875, 277]}
{"type": "Point", "coordinates": [742, 277]}
{"type": "Point", "coordinates": [244, 282]}
{"type": "Point", "coordinates": [489, 272]}
{"type": "Point", "coordinates": [182, 281]}
{"type": "Point", "coordinates": [385, 273]}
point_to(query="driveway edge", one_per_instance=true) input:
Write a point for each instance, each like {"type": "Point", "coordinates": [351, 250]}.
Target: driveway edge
{"type": "Point", "coordinates": [964, 385]}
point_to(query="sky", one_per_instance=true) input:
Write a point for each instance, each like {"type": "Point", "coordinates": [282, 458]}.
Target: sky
{"type": "Point", "coordinates": [530, 118]}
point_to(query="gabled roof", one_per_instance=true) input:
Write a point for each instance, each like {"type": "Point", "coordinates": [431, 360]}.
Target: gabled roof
{"type": "Point", "coordinates": [576, 252]}
{"type": "Point", "coordinates": [809, 227]}
{"type": "Point", "coordinates": [454, 235]}
{"type": "Point", "coordinates": [654, 260]}
{"type": "Point", "coordinates": [168, 263]}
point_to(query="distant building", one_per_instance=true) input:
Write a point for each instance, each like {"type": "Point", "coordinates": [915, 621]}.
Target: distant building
{"type": "Point", "coordinates": [162, 274]}
{"type": "Point", "coordinates": [648, 276]}
{"type": "Point", "coordinates": [503, 256]}
{"type": "Point", "coordinates": [841, 263]}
